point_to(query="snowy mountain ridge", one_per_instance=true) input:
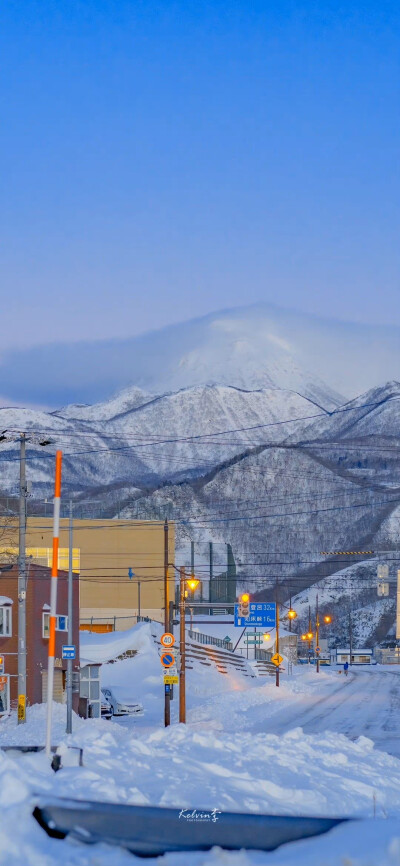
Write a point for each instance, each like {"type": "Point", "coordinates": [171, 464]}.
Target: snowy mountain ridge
{"type": "Point", "coordinates": [268, 471]}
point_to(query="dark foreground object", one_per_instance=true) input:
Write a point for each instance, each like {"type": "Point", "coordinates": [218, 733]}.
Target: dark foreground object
{"type": "Point", "coordinates": [150, 831]}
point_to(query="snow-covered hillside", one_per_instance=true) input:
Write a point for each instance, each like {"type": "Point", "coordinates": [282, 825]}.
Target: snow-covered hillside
{"type": "Point", "coordinates": [268, 471]}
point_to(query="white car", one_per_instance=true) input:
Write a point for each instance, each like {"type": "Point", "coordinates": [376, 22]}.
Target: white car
{"type": "Point", "coordinates": [120, 702]}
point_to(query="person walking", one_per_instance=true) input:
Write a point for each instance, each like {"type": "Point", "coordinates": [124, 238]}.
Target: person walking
{"type": "Point", "coordinates": [346, 668]}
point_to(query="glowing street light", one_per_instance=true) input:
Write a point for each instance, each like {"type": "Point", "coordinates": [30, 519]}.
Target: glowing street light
{"type": "Point", "coordinates": [193, 583]}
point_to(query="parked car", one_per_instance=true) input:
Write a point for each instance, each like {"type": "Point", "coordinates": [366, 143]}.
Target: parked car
{"type": "Point", "coordinates": [105, 709]}
{"type": "Point", "coordinates": [121, 702]}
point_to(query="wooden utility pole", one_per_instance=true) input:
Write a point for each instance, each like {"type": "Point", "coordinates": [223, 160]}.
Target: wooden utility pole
{"type": "Point", "coordinates": [182, 647]}
{"type": "Point", "coordinates": [277, 631]}
{"type": "Point", "coordinates": [166, 575]}
{"type": "Point", "coordinates": [317, 632]}
{"type": "Point", "coordinates": [167, 689]}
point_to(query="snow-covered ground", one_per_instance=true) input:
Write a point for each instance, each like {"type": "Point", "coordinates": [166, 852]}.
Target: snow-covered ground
{"type": "Point", "coordinates": [248, 746]}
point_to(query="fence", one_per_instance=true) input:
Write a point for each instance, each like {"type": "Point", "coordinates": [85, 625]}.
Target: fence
{"type": "Point", "coordinates": [210, 640]}
{"type": "Point", "coordinates": [262, 655]}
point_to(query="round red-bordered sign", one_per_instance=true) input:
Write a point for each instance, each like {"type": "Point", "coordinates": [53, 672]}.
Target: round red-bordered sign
{"type": "Point", "coordinates": [168, 659]}
{"type": "Point", "coordinates": [167, 639]}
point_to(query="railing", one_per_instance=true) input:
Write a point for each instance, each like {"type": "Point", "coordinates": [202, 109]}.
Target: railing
{"type": "Point", "coordinates": [209, 639]}
{"type": "Point", "coordinates": [262, 655]}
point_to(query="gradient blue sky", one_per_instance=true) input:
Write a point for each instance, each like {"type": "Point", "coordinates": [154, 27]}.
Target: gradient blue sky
{"type": "Point", "coordinates": [162, 160]}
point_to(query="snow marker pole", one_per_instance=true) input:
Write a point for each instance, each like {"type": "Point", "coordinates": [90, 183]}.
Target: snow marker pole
{"type": "Point", "coordinates": [53, 600]}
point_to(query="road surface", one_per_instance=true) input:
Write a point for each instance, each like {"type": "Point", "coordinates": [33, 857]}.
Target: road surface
{"type": "Point", "coordinates": [366, 703]}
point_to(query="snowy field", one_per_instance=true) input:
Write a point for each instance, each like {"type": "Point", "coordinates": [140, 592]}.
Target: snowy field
{"type": "Point", "coordinates": [247, 747]}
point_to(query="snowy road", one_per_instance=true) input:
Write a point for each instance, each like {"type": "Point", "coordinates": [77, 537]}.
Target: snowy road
{"type": "Point", "coordinates": [367, 703]}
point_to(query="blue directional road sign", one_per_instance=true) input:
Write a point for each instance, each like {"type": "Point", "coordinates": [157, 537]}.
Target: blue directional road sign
{"type": "Point", "coordinates": [261, 613]}
{"type": "Point", "coordinates": [68, 651]}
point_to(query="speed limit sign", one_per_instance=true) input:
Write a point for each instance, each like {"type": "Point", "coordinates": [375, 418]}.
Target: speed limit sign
{"type": "Point", "coordinates": [167, 639]}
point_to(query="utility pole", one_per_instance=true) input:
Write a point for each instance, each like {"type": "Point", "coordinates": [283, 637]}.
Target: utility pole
{"type": "Point", "coordinates": [70, 628]}
{"type": "Point", "coordinates": [182, 648]}
{"type": "Point", "coordinates": [309, 632]}
{"type": "Point", "coordinates": [22, 585]}
{"type": "Point", "coordinates": [317, 632]}
{"type": "Point", "coordinates": [350, 637]}
{"type": "Point", "coordinates": [277, 633]}
{"type": "Point", "coordinates": [167, 692]}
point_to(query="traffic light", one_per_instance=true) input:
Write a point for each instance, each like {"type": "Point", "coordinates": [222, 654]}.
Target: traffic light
{"type": "Point", "coordinates": [244, 605]}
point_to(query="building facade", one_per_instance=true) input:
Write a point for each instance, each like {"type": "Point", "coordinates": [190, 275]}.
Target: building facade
{"type": "Point", "coordinates": [37, 631]}
{"type": "Point", "coordinates": [120, 562]}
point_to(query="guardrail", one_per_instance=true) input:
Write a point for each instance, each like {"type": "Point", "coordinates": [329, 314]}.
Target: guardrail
{"type": "Point", "coordinates": [210, 640]}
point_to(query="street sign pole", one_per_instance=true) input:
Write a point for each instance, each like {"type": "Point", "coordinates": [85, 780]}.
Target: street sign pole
{"type": "Point", "coordinates": [182, 647]}
{"type": "Point", "coordinates": [167, 692]}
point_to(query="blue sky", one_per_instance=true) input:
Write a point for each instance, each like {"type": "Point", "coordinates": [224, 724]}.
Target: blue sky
{"type": "Point", "coordinates": [162, 160]}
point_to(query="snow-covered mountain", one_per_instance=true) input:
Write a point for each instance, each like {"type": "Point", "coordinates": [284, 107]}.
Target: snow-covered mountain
{"type": "Point", "coordinates": [268, 471]}
{"type": "Point", "coordinates": [250, 348]}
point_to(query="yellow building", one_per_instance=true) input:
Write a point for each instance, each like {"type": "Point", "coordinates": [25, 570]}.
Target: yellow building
{"type": "Point", "coordinates": [105, 552]}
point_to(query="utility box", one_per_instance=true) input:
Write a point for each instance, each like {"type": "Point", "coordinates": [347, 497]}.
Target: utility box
{"type": "Point", "coordinates": [383, 588]}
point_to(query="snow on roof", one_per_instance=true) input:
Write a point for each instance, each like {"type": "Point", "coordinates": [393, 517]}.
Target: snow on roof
{"type": "Point", "coordinates": [5, 600]}
{"type": "Point", "coordinates": [46, 607]}
{"type": "Point", "coordinates": [354, 651]}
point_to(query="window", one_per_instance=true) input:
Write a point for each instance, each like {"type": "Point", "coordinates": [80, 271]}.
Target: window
{"type": "Point", "coordinates": [61, 624]}
{"type": "Point", "coordinates": [5, 620]}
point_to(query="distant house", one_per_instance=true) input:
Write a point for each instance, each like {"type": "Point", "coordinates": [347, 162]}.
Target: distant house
{"type": "Point", "coordinates": [358, 656]}
{"type": "Point", "coordinates": [37, 631]}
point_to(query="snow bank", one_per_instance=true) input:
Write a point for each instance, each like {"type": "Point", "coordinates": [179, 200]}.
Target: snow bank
{"type": "Point", "coordinates": [101, 648]}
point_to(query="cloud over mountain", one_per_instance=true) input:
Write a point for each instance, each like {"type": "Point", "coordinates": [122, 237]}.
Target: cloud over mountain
{"type": "Point", "coordinates": [253, 347]}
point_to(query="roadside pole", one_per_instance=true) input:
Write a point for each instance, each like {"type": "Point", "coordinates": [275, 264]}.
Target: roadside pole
{"type": "Point", "coordinates": [53, 600]}
{"type": "Point", "coordinates": [182, 648]}
{"type": "Point", "coordinates": [277, 641]}
{"type": "Point", "coordinates": [317, 633]}
{"type": "Point", "coordinates": [167, 692]}
{"type": "Point", "coordinates": [70, 628]}
{"type": "Point", "coordinates": [22, 585]}
{"type": "Point", "coordinates": [350, 638]}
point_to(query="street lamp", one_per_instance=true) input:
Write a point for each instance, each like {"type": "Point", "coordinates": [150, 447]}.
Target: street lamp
{"type": "Point", "coordinates": [192, 583]}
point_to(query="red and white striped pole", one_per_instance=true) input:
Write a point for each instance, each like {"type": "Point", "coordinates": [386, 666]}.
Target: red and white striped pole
{"type": "Point", "coordinates": [53, 600]}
